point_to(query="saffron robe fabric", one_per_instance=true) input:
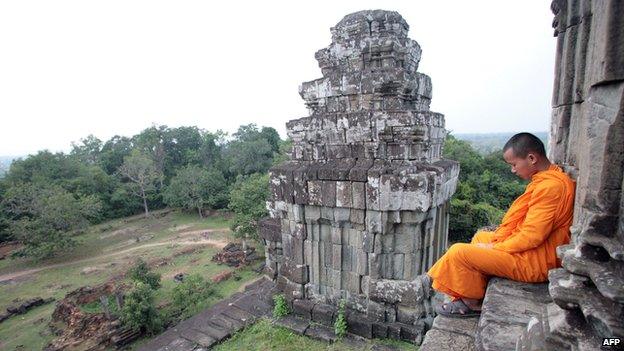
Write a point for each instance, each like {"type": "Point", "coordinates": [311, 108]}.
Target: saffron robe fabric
{"type": "Point", "coordinates": [524, 245]}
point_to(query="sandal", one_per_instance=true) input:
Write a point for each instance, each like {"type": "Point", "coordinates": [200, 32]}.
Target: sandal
{"type": "Point", "coordinates": [456, 309]}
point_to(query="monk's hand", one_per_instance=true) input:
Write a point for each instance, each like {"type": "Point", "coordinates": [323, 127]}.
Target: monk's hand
{"type": "Point", "coordinates": [485, 245]}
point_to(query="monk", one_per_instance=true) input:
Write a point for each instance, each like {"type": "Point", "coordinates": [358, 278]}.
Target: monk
{"type": "Point", "coordinates": [523, 246]}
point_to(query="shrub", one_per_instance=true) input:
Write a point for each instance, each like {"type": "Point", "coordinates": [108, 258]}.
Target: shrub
{"type": "Point", "coordinates": [139, 311]}
{"type": "Point", "coordinates": [281, 306]}
{"type": "Point", "coordinates": [140, 272]}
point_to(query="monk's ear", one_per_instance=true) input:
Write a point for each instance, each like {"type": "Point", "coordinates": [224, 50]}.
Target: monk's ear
{"type": "Point", "coordinates": [532, 158]}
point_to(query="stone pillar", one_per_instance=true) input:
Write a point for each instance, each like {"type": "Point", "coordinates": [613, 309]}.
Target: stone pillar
{"type": "Point", "coordinates": [587, 137]}
{"type": "Point", "coordinates": [361, 208]}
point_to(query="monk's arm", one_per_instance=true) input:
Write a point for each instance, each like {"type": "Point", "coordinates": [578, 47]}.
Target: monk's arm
{"type": "Point", "coordinates": [539, 220]}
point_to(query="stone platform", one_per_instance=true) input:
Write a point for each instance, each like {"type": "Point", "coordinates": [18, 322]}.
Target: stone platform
{"type": "Point", "coordinates": [508, 320]}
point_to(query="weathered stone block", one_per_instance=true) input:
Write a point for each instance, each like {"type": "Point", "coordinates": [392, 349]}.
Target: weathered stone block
{"type": "Point", "coordinates": [314, 192]}
{"type": "Point", "coordinates": [361, 262]}
{"type": "Point", "coordinates": [328, 193]}
{"type": "Point", "coordinates": [336, 235]}
{"type": "Point", "coordinates": [336, 256]}
{"type": "Point", "coordinates": [393, 291]}
{"type": "Point", "coordinates": [294, 272]}
{"type": "Point", "coordinates": [324, 314]}
{"type": "Point", "coordinates": [270, 229]}
{"type": "Point", "coordinates": [358, 324]}
{"type": "Point", "coordinates": [312, 213]}
{"type": "Point", "coordinates": [343, 194]}
{"type": "Point", "coordinates": [303, 308]}
{"type": "Point", "coordinates": [357, 216]}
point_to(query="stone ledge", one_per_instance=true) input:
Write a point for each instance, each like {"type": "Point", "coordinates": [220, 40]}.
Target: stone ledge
{"type": "Point", "coordinates": [358, 323]}
{"type": "Point", "coordinates": [508, 307]}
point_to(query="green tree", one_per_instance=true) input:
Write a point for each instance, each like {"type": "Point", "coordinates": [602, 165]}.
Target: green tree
{"type": "Point", "coordinates": [113, 153]}
{"type": "Point", "coordinates": [45, 219]}
{"type": "Point", "coordinates": [195, 188]}
{"type": "Point", "coordinates": [248, 202]}
{"type": "Point", "coordinates": [252, 150]}
{"type": "Point", "coordinates": [152, 142]}
{"type": "Point", "coordinates": [139, 311]}
{"type": "Point", "coordinates": [140, 272]}
{"type": "Point", "coordinates": [140, 170]}
{"type": "Point", "coordinates": [87, 150]}
{"type": "Point", "coordinates": [467, 217]}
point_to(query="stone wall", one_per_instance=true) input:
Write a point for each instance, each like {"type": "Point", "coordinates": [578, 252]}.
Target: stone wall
{"type": "Point", "coordinates": [587, 137]}
{"type": "Point", "coordinates": [361, 208]}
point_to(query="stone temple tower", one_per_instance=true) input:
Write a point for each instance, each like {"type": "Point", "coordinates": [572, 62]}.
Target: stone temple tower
{"type": "Point", "coordinates": [361, 208]}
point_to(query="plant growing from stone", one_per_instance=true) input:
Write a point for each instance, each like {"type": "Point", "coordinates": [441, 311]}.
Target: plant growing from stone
{"type": "Point", "coordinates": [340, 324]}
{"type": "Point", "coordinates": [281, 306]}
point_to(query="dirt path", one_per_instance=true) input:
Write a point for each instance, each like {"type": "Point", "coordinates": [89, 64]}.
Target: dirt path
{"type": "Point", "coordinates": [210, 242]}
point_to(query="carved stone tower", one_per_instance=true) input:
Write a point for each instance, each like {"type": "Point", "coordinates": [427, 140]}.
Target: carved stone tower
{"type": "Point", "coordinates": [361, 209]}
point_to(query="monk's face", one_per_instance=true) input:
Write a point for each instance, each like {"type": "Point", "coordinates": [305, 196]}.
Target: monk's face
{"type": "Point", "coordinates": [523, 167]}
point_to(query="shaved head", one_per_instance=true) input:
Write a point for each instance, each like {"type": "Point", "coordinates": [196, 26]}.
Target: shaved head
{"type": "Point", "coordinates": [524, 143]}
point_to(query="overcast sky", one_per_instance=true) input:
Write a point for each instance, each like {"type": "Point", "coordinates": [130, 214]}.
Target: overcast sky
{"type": "Point", "coordinates": [73, 68]}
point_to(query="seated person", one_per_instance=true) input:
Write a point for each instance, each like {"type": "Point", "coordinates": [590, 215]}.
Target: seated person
{"type": "Point", "coordinates": [523, 246]}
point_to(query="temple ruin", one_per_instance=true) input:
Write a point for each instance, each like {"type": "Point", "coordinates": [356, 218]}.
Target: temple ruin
{"type": "Point", "coordinates": [361, 208]}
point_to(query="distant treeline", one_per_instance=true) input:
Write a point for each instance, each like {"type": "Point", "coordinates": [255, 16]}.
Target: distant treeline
{"type": "Point", "coordinates": [48, 198]}
{"type": "Point", "coordinates": [486, 143]}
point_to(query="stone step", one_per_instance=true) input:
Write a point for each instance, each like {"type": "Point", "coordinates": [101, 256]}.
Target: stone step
{"type": "Point", "coordinates": [451, 334]}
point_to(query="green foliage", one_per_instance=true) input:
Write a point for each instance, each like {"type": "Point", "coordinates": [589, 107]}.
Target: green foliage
{"type": "Point", "coordinates": [140, 272]}
{"type": "Point", "coordinates": [281, 306]}
{"type": "Point", "coordinates": [191, 294]}
{"type": "Point", "coordinates": [247, 201]}
{"type": "Point", "coordinates": [195, 188]}
{"type": "Point", "coordinates": [44, 218]}
{"type": "Point", "coordinates": [485, 190]}
{"type": "Point", "coordinates": [139, 311]}
{"type": "Point", "coordinates": [126, 175]}
{"type": "Point", "coordinates": [252, 150]}
{"type": "Point", "coordinates": [466, 218]}
{"type": "Point", "coordinates": [340, 324]}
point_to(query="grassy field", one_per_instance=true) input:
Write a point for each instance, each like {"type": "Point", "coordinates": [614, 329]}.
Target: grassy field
{"type": "Point", "coordinates": [183, 242]}
{"type": "Point", "coordinates": [265, 336]}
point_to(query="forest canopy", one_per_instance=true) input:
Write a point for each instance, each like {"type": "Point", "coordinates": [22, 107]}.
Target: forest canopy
{"type": "Point", "coordinates": [46, 199]}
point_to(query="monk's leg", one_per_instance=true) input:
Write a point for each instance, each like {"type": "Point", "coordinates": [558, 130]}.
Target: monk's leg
{"type": "Point", "coordinates": [464, 269]}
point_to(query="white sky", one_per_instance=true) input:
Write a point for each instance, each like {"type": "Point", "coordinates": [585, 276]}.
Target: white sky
{"type": "Point", "coordinates": [73, 68]}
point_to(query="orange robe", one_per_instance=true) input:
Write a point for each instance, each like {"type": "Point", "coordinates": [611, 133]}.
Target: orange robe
{"type": "Point", "coordinates": [524, 244]}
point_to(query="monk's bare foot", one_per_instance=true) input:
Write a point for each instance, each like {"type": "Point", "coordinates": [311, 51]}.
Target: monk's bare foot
{"type": "Point", "coordinates": [473, 304]}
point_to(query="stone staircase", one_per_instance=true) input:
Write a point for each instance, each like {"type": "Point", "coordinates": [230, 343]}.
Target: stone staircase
{"type": "Point", "coordinates": [219, 322]}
